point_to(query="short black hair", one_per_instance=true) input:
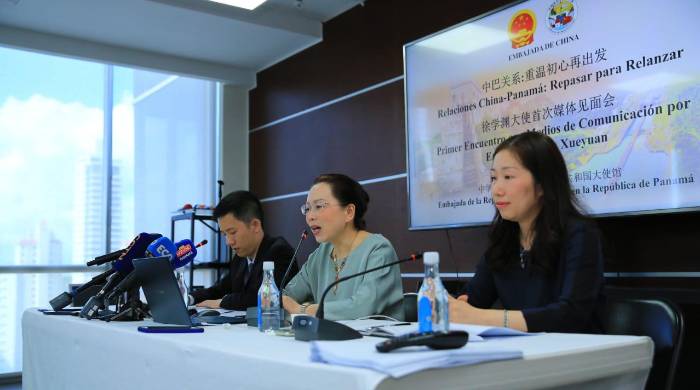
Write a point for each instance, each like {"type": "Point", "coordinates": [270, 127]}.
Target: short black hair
{"type": "Point", "coordinates": [347, 191]}
{"type": "Point", "coordinates": [244, 206]}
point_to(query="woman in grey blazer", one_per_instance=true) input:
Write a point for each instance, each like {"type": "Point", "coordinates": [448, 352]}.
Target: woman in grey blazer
{"type": "Point", "coordinates": [334, 211]}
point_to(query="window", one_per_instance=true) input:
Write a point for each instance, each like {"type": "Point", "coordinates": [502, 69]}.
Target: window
{"type": "Point", "coordinates": [66, 127]}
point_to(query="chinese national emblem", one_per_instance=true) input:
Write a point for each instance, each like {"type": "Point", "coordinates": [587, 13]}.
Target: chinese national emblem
{"type": "Point", "coordinates": [521, 28]}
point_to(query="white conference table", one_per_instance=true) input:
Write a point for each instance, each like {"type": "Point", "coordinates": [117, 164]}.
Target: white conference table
{"type": "Point", "coordinates": [63, 352]}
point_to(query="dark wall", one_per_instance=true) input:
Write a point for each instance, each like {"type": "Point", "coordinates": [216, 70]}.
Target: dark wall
{"type": "Point", "coordinates": [364, 137]}
{"type": "Point", "coordinates": [292, 140]}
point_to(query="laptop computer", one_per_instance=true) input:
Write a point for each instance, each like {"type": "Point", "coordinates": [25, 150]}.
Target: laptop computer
{"type": "Point", "coordinates": [163, 295]}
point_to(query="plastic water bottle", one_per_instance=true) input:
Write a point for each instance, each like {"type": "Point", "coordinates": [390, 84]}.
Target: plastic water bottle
{"type": "Point", "coordinates": [268, 301]}
{"type": "Point", "coordinates": [180, 277]}
{"type": "Point", "coordinates": [433, 312]}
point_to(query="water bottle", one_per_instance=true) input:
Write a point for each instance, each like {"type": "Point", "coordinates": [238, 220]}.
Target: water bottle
{"type": "Point", "coordinates": [268, 301]}
{"type": "Point", "coordinates": [433, 312]}
{"type": "Point", "coordinates": [180, 277]}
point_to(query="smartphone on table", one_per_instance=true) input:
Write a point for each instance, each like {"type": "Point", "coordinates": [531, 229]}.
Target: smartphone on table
{"type": "Point", "coordinates": [170, 329]}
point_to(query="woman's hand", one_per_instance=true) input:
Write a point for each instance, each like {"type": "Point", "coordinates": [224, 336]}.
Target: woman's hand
{"type": "Point", "coordinates": [461, 311]}
{"type": "Point", "coordinates": [293, 307]}
{"type": "Point", "coordinates": [290, 305]}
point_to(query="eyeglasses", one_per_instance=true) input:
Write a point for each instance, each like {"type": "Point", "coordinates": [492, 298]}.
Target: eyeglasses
{"type": "Point", "coordinates": [317, 207]}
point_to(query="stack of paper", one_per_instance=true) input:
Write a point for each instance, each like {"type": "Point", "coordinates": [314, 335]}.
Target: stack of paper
{"type": "Point", "coordinates": [476, 332]}
{"type": "Point", "coordinates": [401, 362]}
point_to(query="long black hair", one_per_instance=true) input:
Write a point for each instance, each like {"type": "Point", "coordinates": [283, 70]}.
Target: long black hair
{"type": "Point", "coordinates": [539, 154]}
{"type": "Point", "coordinates": [347, 191]}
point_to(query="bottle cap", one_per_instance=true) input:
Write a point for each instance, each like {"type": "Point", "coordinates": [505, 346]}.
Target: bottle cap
{"type": "Point", "coordinates": [268, 265]}
{"type": "Point", "coordinates": [431, 258]}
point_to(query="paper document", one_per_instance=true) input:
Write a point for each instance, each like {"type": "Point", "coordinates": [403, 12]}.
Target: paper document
{"type": "Point", "coordinates": [374, 327]}
{"type": "Point", "coordinates": [362, 353]}
{"type": "Point", "coordinates": [476, 332]}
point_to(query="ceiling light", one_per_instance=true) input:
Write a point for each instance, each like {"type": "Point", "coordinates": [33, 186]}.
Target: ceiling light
{"type": "Point", "coordinates": [247, 4]}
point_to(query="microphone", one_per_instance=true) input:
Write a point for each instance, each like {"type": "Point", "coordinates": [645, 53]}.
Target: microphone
{"type": "Point", "coordinates": [99, 260]}
{"type": "Point", "coordinates": [136, 249]}
{"type": "Point", "coordinates": [120, 263]}
{"type": "Point", "coordinates": [97, 302]}
{"type": "Point", "coordinates": [304, 234]}
{"type": "Point", "coordinates": [186, 252]}
{"type": "Point", "coordinates": [123, 266]}
{"type": "Point", "coordinates": [66, 298]}
{"type": "Point", "coordinates": [307, 328]}
{"type": "Point", "coordinates": [180, 254]}
{"type": "Point", "coordinates": [161, 247]}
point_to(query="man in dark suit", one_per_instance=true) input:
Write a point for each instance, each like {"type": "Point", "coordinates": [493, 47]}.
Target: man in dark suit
{"type": "Point", "coordinates": [240, 219]}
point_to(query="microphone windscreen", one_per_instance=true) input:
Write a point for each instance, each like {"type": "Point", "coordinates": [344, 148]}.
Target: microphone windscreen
{"type": "Point", "coordinates": [162, 247]}
{"type": "Point", "coordinates": [136, 249]}
{"type": "Point", "coordinates": [186, 252]}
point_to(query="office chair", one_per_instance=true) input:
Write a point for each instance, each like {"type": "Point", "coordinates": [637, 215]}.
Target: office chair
{"type": "Point", "coordinates": [410, 307]}
{"type": "Point", "coordinates": [659, 319]}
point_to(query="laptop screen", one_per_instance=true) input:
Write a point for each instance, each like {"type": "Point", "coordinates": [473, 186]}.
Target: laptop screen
{"type": "Point", "coordinates": [161, 291]}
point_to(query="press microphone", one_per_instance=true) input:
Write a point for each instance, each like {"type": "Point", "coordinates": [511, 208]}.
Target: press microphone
{"type": "Point", "coordinates": [136, 249]}
{"type": "Point", "coordinates": [186, 252]}
{"type": "Point", "coordinates": [308, 328]}
{"type": "Point", "coordinates": [123, 266]}
{"type": "Point", "coordinates": [121, 263]}
{"type": "Point", "coordinates": [304, 234]}
{"type": "Point", "coordinates": [163, 246]}
{"type": "Point", "coordinates": [66, 298]}
{"type": "Point", "coordinates": [97, 302]}
{"type": "Point", "coordinates": [99, 260]}
{"type": "Point", "coordinates": [180, 254]}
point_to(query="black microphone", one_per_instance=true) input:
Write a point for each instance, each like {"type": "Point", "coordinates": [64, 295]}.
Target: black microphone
{"type": "Point", "coordinates": [99, 260]}
{"type": "Point", "coordinates": [304, 234]}
{"type": "Point", "coordinates": [130, 281]}
{"type": "Point", "coordinates": [308, 328]}
{"type": "Point", "coordinates": [66, 298]}
{"type": "Point", "coordinates": [98, 301]}
{"type": "Point", "coordinates": [121, 264]}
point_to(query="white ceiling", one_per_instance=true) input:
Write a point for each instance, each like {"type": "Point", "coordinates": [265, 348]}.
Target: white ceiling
{"type": "Point", "coordinates": [192, 37]}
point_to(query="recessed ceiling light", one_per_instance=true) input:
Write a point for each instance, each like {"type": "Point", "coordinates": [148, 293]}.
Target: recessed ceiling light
{"type": "Point", "coordinates": [247, 4]}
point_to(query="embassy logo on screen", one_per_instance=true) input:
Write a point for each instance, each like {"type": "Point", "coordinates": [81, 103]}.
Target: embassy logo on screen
{"type": "Point", "coordinates": [561, 15]}
{"type": "Point", "coordinates": [521, 28]}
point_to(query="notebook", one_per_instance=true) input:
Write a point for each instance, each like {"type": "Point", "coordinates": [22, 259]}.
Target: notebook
{"type": "Point", "coordinates": [163, 295]}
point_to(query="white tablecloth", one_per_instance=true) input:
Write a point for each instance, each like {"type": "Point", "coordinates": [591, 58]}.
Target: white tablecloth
{"type": "Point", "coordinates": [72, 353]}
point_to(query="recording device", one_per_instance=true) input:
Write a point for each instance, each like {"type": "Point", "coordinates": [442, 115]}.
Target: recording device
{"type": "Point", "coordinates": [97, 302]}
{"type": "Point", "coordinates": [93, 286]}
{"type": "Point", "coordinates": [180, 254]}
{"type": "Point", "coordinates": [304, 234]}
{"type": "Point", "coordinates": [82, 293]}
{"type": "Point", "coordinates": [433, 340]}
{"type": "Point", "coordinates": [308, 328]}
{"type": "Point", "coordinates": [123, 266]}
{"type": "Point", "coordinates": [109, 257]}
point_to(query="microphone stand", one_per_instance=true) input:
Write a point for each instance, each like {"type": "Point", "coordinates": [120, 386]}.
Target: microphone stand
{"type": "Point", "coordinates": [307, 328]}
{"type": "Point", "coordinates": [304, 234]}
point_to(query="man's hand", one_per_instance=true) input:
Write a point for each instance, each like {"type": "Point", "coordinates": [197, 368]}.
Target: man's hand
{"type": "Point", "coordinates": [210, 304]}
